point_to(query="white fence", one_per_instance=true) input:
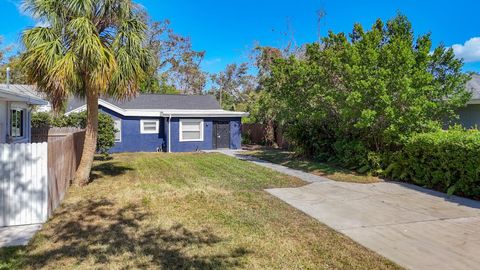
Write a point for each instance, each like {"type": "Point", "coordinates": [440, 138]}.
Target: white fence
{"type": "Point", "coordinates": [23, 183]}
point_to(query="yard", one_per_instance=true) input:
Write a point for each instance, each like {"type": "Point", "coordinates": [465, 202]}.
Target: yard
{"type": "Point", "coordinates": [289, 159]}
{"type": "Point", "coordinates": [188, 211]}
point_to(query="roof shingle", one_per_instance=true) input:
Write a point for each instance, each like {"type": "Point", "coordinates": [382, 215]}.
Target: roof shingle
{"type": "Point", "coordinates": [158, 102]}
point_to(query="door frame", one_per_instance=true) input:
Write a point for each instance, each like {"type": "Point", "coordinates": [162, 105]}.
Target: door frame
{"type": "Point", "coordinates": [214, 133]}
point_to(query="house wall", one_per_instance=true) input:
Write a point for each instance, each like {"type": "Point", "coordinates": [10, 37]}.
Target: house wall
{"type": "Point", "coordinates": [5, 107]}
{"type": "Point", "coordinates": [3, 121]}
{"type": "Point", "coordinates": [470, 116]}
{"type": "Point", "coordinates": [207, 143]}
{"type": "Point", "coordinates": [132, 140]}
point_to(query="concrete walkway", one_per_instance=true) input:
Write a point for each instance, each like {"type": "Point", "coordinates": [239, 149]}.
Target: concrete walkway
{"type": "Point", "coordinates": [17, 235]}
{"type": "Point", "coordinates": [414, 227]}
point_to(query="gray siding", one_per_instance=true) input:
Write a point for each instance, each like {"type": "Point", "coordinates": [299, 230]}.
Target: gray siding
{"type": "Point", "coordinates": [470, 116]}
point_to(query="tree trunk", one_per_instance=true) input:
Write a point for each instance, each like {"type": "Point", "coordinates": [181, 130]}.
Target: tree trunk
{"type": "Point", "coordinates": [90, 143]}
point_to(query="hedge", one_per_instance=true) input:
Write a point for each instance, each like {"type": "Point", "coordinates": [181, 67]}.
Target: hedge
{"type": "Point", "coordinates": [106, 127]}
{"type": "Point", "coordinates": [448, 161]}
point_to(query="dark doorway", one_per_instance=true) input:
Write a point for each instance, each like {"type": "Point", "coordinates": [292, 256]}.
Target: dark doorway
{"type": "Point", "coordinates": [221, 134]}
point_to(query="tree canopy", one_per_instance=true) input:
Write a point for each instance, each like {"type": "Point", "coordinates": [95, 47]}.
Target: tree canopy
{"type": "Point", "coordinates": [86, 48]}
{"type": "Point", "coordinates": [366, 91]}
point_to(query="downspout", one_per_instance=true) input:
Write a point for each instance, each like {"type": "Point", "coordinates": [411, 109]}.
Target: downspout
{"type": "Point", "coordinates": [169, 130]}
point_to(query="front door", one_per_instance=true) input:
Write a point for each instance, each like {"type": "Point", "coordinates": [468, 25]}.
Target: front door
{"type": "Point", "coordinates": [221, 134]}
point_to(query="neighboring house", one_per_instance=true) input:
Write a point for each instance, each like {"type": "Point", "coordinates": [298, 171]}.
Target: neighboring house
{"type": "Point", "coordinates": [470, 115]}
{"type": "Point", "coordinates": [16, 102]}
{"type": "Point", "coordinates": [169, 123]}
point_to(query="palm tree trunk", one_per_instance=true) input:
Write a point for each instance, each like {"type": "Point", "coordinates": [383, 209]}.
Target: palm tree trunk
{"type": "Point", "coordinates": [90, 143]}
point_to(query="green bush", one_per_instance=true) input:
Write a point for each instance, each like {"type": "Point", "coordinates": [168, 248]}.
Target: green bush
{"type": "Point", "coordinates": [41, 120]}
{"type": "Point", "coordinates": [447, 161]}
{"type": "Point", "coordinates": [357, 97]}
{"type": "Point", "coordinates": [106, 127]}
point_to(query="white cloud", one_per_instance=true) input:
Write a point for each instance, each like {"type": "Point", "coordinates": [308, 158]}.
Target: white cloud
{"type": "Point", "coordinates": [470, 51]}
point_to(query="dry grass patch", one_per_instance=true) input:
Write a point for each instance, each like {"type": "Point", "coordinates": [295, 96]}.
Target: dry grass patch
{"type": "Point", "coordinates": [289, 159]}
{"type": "Point", "coordinates": [187, 211]}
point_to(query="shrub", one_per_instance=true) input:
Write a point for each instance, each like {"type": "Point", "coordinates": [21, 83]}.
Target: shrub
{"type": "Point", "coordinates": [447, 161]}
{"type": "Point", "coordinates": [106, 127]}
{"type": "Point", "coordinates": [41, 120]}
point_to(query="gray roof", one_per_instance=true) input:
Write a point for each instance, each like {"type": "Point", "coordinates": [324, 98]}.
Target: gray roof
{"type": "Point", "coordinates": [474, 86]}
{"type": "Point", "coordinates": [158, 102]}
{"type": "Point", "coordinates": [27, 92]}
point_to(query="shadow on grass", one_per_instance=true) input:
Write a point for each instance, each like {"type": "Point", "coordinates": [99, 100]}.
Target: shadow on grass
{"type": "Point", "coordinates": [108, 169]}
{"type": "Point", "coordinates": [97, 231]}
{"type": "Point", "coordinates": [289, 159]}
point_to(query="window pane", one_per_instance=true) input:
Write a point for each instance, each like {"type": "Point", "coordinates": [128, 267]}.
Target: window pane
{"type": "Point", "coordinates": [190, 126]}
{"type": "Point", "coordinates": [191, 135]}
{"type": "Point", "coordinates": [16, 123]}
{"type": "Point", "coordinates": [149, 126]}
{"type": "Point", "coordinates": [118, 128]}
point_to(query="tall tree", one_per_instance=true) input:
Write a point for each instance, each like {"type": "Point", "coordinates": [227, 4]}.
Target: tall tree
{"type": "Point", "coordinates": [366, 92]}
{"type": "Point", "coordinates": [232, 85]}
{"type": "Point", "coordinates": [86, 48]}
{"type": "Point", "coordinates": [17, 71]}
{"type": "Point", "coordinates": [176, 66]}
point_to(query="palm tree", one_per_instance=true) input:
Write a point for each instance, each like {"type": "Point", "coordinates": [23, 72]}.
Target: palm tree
{"type": "Point", "coordinates": [88, 49]}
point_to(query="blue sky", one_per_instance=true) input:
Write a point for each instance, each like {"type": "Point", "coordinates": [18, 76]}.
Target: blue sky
{"type": "Point", "coordinates": [228, 30]}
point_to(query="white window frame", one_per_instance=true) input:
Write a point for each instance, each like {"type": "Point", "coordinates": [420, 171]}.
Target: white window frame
{"type": "Point", "coordinates": [180, 129]}
{"type": "Point", "coordinates": [119, 130]}
{"type": "Point", "coordinates": [142, 123]}
{"type": "Point", "coordinates": [23, 123]}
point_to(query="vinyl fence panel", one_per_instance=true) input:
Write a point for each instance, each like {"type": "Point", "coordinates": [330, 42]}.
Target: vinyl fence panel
{"type": "Point", "coordinates": [23, 183]}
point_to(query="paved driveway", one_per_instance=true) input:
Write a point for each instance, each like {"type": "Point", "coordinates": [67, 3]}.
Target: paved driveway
{"type": "Point", "coordinates": [415, 227]}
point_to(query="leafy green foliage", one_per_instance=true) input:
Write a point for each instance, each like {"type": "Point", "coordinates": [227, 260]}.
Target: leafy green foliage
{"type": "Point", "coordinates": [232, 86]}
{"type": "Point", "coordinates": [444, 160]}
{"type": "Point", "coordinates": [85, 47]}
{"type": "Point", "coordinates": [17, 71]}
{"type": "Point", "coordinates": [353, 98]}
{"type": "Point", "coordinates": [41, 120]}
{"type": "Point", "coordinates": [106, 127]}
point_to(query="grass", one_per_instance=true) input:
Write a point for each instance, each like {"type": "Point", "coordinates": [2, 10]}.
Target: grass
{"type": "Point", "coordinates": [289, 159]}
{"type": "Point", "coordinates": [185, 211]}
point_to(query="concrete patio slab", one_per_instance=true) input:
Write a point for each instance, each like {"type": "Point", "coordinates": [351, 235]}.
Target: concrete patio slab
{"type": "Point", "coordinates": [17, 235]}
{"type": "Point", "coordinates": [414, 227]}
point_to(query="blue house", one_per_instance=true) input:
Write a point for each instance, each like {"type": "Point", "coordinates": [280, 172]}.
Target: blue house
{"type": "Point", "coordinates": [169, 123]}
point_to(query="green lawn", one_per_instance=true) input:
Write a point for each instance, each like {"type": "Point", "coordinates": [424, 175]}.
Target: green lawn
{"type": "Point", "coordinates": [289, 159]}
{"type": "Point", "coordinates": [185, 211]}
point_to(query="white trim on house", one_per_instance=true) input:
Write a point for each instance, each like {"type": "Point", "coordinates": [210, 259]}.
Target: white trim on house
{"type": "Point", "coordinates": [199, 122]}
{"type": "Point", "coordinates": [473, 101]}
{"type": "Point", "coordinates": [162, 113]}
{"type": "Point", "coordinates": [9, 95]}
{"type": "Point", "coordinates": [142, 126]}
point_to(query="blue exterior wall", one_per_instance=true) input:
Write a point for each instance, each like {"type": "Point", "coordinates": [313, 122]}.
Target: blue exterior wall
{"type": "Point", "coordinates": [133, 141]}
{"type": "Point", "coordinates": [207, 143]}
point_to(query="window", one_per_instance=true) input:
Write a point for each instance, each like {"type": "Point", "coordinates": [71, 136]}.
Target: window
{"type": "Point", "coordinates": [148, 126]}
{"type": "Point", "coordinates": [191, 130]}
{"type": "Point", "coordinates": [16, 123]}
{"type": "Point", "coordinates": [118, 130]}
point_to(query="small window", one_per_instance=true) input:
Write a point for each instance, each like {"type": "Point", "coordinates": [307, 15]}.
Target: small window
{"type": "Point", "coordinates": [16, 123]}
{"type": "Point", "coordinates": [191, 130]}
{"type": "Point", "coordinates": [118, 130]}
{"type": "Point", "coordinates": [148, 126]}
